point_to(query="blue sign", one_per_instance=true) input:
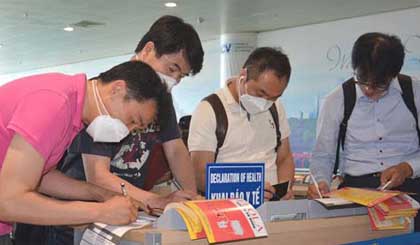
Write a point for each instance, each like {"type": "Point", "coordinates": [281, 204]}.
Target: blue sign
{"type": "Point", "coordinates": [236, 181]}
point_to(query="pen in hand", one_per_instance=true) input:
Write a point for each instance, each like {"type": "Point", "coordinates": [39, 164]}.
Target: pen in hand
{"type": "Point", "coordinates": [316, 185]}
{"type": "Point", "coordinates": [382, 188]}
{"type": "Point", "coordinates": [123, 190]}
{"type": "Point", "coordinates": [142, 205]}
{"type": "Point", "coordinates": [177, 184]}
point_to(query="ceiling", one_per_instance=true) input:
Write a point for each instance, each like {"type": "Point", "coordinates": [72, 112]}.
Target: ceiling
{"type": "Point", "coordinates": [32, 36]}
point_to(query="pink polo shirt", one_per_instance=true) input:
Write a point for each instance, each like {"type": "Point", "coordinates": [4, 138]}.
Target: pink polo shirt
{"type": "Point", "coordinates": [46, 110]}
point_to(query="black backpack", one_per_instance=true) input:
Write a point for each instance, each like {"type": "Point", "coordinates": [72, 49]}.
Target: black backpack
{"type": "Point", "coordinates": [349, 90]}
{"type": "Point", "coordinates": [222, 121]}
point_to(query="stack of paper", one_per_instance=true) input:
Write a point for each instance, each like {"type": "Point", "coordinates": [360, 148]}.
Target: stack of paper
{"type": "Point", "coordinates": [394, 213]}
{"type": "Point", "coordinates": [99, 233]}
{"type": "Point", "coordinates": [220, 220]}
{"type": "Point", "coordinates": [386, 209]}
{"type": "Point", "coordinates": [365, 197]}
{"type": "Point", "coordinates": [336, 203]}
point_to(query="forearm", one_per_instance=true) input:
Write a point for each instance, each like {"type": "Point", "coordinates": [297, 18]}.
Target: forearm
{"type": "Point", "coordinates": [321, 166]}
{"type": "Point", "coordinates": [328, 127]}
{"type": "Point", "coordinates": [200, 160]}
{"type": "Point", "coordinates": [185, 177]}
{"type": "Point", "coordinates": [414, 162]}
{"type": "Point", "coordinates": [34, 208]}
{"type": "Point", "coordinates": [58, 185]}
{"type": "Point", "coordinates": [200, 178]}
{"type": "Point", "coordinates": [184, 173]}
{"type": "Point", "coordinates": [111, 182]}
{"type": "Point", "coordinates": [286, 170]}
{"type": "Point", "coordinates": [180, 164]}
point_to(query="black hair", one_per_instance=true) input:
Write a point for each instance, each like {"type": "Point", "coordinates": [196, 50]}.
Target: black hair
{"type": "Point", "coordinates": [142, 84]}
{"type": "Point", "coordinates": [184, 126]}
{"type": "Point", "coordinates": [184, 122]}
{"type": "Point", "coordinates": [170, 34]}
{"type": "Point", "coordinates": [377, 57]}
{"type": "Point", "coordinates": [265, 58]}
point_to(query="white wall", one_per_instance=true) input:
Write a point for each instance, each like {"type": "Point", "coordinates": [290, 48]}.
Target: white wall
{"type": "Point", "coordinates": [91, 68]}
{"type": "Point", "coordinates": [186, 95]}
{"type": "Point", "coordinates": [191, 90]}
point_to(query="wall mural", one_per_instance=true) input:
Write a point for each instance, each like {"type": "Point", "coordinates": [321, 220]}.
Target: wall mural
{"type": "Point", "coordinates": [321, 60]}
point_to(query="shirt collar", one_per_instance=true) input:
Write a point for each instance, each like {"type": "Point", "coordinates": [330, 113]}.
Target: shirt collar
{"type": "Point", "coordinates": [230, 101]}
{"type": "Point", "coordinates": [393, 87]}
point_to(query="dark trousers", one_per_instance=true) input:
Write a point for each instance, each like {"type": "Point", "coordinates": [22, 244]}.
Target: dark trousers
{"type": "Point", "coordinates": [27, 234]}
{"type": "Point", "coordinates": [373, 181]}
{"type": "Point", "coordinates": [5, 240]}
{"type": "Point", "coordinates": [60, 235]}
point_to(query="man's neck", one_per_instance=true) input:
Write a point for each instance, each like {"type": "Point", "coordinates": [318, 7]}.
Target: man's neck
{"type": "Point", "coordinates": [89, 106]}
{"type": "Point", "coordinates": [232, 85]}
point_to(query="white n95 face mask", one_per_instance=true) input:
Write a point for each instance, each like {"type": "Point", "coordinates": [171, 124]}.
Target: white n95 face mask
{"type": "Point", "coordinates": [105, 128]}
{"type": "Point", "coordinates": [170, 81]}
{"type": "Point", "coordinates": [253, 104]}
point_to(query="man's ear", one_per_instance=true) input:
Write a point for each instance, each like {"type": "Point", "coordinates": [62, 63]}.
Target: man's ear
{"type": "Point", "coordinates": [147, 51]}
{"type": "Point", "coordinates": [118, 87]}
{"type": "Point", "coordinates": [243, 74]}
{"type": "Point", "coordinates": [149, 48]}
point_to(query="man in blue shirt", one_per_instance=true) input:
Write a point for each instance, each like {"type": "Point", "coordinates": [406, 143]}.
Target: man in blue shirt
{"type": "Point", "coordinates": [381, 141]}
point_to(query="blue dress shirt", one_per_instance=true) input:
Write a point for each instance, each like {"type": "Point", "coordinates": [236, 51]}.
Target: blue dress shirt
{"type": "Point", "coordinates": [380, 134]}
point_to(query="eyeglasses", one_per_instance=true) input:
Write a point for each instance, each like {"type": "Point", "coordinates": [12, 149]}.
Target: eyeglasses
{"type": "Point", "coordinates": [378, 87]}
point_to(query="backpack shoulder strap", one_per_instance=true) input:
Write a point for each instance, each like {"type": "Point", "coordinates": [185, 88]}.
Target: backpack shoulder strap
{"type": "Point", "coordinates": [408, 97]}
{"type": "Point", "coordinates": [349, 92]}
{"type": "Point", "coordinates": [221, 120]}
{"type": "Point", "coordinates": [275, 115]}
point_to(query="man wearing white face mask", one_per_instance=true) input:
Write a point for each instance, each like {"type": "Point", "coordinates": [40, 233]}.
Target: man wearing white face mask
{"type": "Point", "coordinates": [251, 131]}
{"type": "Point", "coordinates": [252, 104]}
{"type": "Point", "coordinates": [173, 49]}
{"type": "Point", "coordinates": [39, 117]}
{"type": "Point", "coordinates": [105, 128]}
{"type": "Point", "coordinates": [168, 80]}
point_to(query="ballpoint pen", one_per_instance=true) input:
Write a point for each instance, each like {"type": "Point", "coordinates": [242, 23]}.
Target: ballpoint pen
{"type": "Point", "coordinates": [142, 205]}
{"type": "Point", "coordinates": [316, 185]}
{"type": "Point", "coordinates": [382, 188]}
{"type": "Point", "coordinates": [177, 184]}
{"type": "Point", "coordinates": [179, 187]}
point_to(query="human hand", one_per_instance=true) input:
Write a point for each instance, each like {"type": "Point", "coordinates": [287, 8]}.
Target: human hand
{"type": "Point", "coordinates": [100, 194]}
{"type": "Point", "coordinates": [268, 191]}
{"type": "Point", "coordinates": [180, 196]}
{"type": "Point", "coordinates": [289, 195]}
{"type": "Point", "coordinates": [313, 192]}
{"type": "Point", "coordinates": [157, 204]}
{"type": "Point", "coordinates": [118, 210]}
{"type": "Point", "coordinates": [396, 175]}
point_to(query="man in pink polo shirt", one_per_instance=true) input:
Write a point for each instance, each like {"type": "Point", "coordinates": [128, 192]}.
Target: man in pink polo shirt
{"type": "Point", "coordinates": [39, 117]}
